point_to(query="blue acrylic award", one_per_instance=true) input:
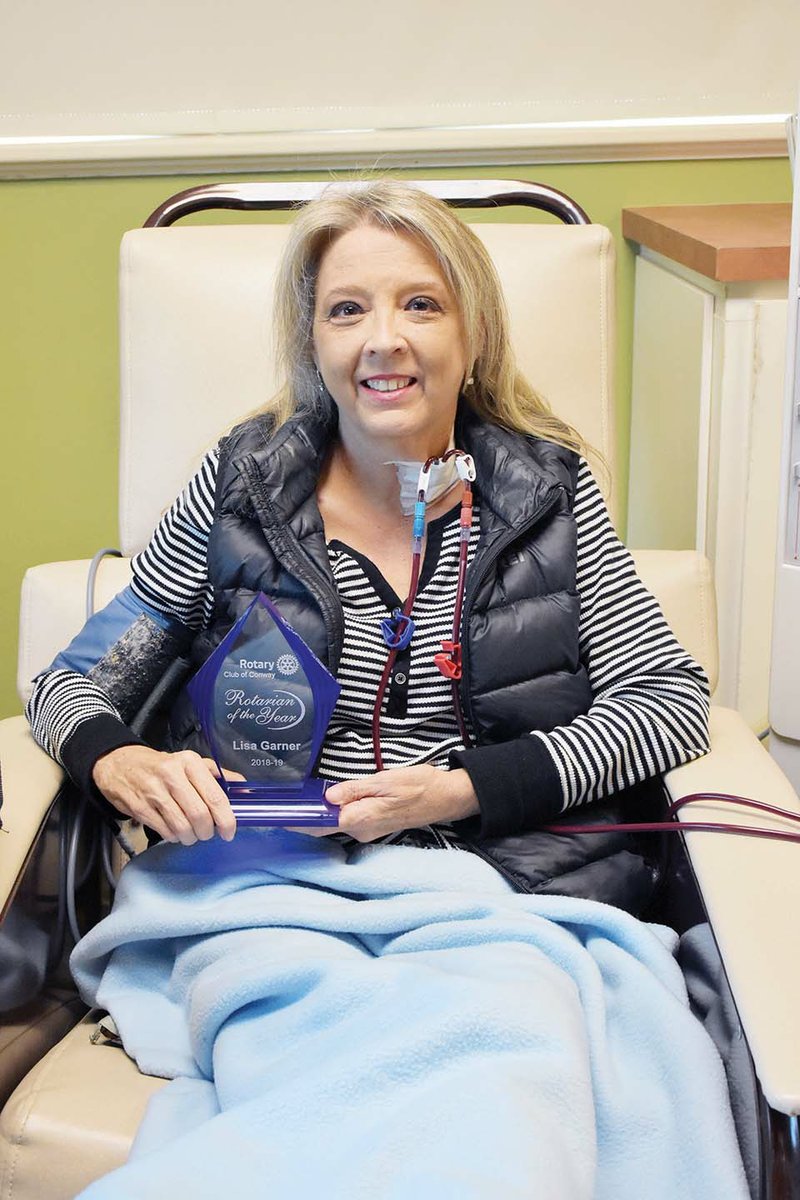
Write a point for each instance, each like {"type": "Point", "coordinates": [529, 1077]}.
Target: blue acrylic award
{"type": "Point", "coordinates": [264, 701]}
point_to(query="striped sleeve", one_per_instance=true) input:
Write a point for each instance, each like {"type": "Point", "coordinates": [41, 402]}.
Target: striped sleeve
{"type": "Point", "coordinates": [79, 705]}
{"type": "Point", "coordinates": [650, 707]}
{"type": "Point", "coordinates": [171, 573]}
{"type": "Point", "coordinates": [62, 701]}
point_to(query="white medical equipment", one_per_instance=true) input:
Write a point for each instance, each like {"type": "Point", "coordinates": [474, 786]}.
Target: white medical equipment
{"type": "Point", "coordinates": [784, 700]}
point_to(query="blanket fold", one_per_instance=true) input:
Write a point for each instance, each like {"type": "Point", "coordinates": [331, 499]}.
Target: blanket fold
{"type": "Point", "coordinates": [398, 1023]}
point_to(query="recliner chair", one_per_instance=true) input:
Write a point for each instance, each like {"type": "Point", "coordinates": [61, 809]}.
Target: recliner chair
{"type": "Point", "coordinates": [196, 356]}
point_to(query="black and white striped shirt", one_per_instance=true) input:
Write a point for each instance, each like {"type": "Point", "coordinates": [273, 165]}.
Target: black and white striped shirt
{"type": "Point", "coordinates": [650, 706]}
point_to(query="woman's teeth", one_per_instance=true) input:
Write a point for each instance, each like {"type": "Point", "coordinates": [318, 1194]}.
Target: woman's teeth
{"type": "Point", "coordinates": [388, 385]}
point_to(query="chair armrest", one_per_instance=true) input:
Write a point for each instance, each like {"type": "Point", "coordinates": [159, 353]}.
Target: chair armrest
{"type": "Point", "coordinates": [751, 891]}
{"type": "Point", "coordinates": [30, 781]}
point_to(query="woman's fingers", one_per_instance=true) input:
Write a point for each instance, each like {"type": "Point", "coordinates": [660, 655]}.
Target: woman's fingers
{"type": "Point", "coordinates": [199, 804]}
{"type": "Point", "coordinates": [226, 773]}
{"type": "Point", "coordinates": [350, 789]}
{"type": "Point", "coordinates": [178, 801]}
{"type": "Point", "coordinates": [402, 798]}
{"type": "Point", "coordinates": [177, 795]}
{"type": "Point", "coordinates": [362, 820]}
{"type": "Point", "coordinates": [217, 805]}
{"type": "Point", "coordinates": [153, 820]}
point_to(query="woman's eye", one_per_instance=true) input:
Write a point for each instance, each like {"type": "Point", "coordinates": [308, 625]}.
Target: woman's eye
{"type": "Point", "coordinates": [345, 308]}
{"type": "Point", "coordinates": [423, 304]}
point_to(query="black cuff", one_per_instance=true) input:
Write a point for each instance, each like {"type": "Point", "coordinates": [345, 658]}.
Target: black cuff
{"type": "Point", "coordinates": [517, 786]}
{"type": "Point", "coordinates": [92, 739]}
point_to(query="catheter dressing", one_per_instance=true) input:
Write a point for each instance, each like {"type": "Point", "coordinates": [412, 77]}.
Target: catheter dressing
{"type": "Point", "coordinates": [442, 474]}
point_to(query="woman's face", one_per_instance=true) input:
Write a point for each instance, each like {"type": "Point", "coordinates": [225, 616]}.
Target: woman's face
{"type": "Point", "coordinates": [389, 343]}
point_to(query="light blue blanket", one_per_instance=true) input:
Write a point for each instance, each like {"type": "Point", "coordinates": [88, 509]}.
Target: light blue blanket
{"type": "Point", "coordinates": [399, 1025]}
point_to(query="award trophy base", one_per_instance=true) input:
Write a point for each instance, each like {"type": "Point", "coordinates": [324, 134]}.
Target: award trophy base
{"type": "Point", "coordinates": [265, 804]}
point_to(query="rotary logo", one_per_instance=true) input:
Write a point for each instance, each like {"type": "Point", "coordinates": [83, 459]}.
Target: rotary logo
{"type": "Point", "coordinates": [287, 664]}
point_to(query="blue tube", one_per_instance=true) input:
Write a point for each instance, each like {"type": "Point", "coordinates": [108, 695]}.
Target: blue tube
{"type": "Point", "coordinates": [419, 519]}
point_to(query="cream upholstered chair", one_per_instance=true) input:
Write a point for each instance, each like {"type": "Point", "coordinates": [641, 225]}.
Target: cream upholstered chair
{"type": "Point", "coordinates": [196, 355]}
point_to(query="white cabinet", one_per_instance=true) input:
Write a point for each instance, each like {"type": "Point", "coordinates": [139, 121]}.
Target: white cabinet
{"type": "Point", "coordinates": [784, 705]}
{"type": "Point", "coordinates": [708, 366]}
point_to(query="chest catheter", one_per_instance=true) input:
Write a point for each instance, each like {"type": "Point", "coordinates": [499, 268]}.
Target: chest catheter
{"type": "Point", "coordinates": [398, 629]}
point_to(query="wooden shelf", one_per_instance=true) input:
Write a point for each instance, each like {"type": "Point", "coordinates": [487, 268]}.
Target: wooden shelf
{"type": "Point", "coordinates": [727, 242]}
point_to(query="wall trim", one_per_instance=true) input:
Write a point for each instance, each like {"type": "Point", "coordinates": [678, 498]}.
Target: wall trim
{"type": "Point", "coordinates": [319, 150]}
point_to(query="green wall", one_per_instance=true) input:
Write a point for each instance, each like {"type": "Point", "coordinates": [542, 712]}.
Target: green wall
{"type": "Point", "coordinates": [58, 356]}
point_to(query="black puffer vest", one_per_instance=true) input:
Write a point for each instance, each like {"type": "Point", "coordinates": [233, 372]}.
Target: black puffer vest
{"type": "Point", "coordinates": [522, 669]}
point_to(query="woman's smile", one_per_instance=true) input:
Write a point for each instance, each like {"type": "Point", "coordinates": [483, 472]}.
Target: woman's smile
{"type": "Point", "coordinates": [388, 387]}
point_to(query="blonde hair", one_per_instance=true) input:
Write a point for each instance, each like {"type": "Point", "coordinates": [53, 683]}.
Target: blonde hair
{"type": "Point", "coordinates": [495, 388]}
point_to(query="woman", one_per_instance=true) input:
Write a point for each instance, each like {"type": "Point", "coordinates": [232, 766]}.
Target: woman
{"type": "Point", "coordinates": [395, 348]}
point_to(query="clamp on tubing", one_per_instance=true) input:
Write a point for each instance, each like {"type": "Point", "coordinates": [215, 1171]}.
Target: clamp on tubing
{"type": "Point", "coordinates": [465, 465]}
{"type": "Point", "coordinates": [397, 630]}
{"type": "Point", "coordinates": [424, 479]}
{"type": "Point", "coordinates": [448, 660]}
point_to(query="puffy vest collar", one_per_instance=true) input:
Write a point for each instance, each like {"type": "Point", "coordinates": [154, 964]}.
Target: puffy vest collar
{"type": "Point", "coordinates": [285, 466]}
{"type": "Point", "coordinates": [288, 463]}
{"type": "Point", "coordinates": [530, 468]}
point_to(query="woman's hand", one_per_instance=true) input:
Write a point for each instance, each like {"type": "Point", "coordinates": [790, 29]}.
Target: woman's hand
{"type": "Point", "coordinates": [177, 795]}
{"type": "Point", "coordinates": [403, 798]}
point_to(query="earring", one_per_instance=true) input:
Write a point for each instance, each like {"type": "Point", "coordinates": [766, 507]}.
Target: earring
{"type": "Point", "coordinates": [320, 384]}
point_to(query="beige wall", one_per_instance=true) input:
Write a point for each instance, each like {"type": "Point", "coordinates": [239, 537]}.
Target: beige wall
{"type": "Point", "coordinates": [526, 78]}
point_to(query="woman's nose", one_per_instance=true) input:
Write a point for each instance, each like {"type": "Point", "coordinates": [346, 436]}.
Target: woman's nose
{"type": "Point", "coordinates": [385, 334]}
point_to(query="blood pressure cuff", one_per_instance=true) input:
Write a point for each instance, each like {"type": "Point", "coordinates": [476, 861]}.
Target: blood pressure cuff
{"type": "Point", "coordinates": [123, 653]}
{"type": "Point", "coordinates": [125, 649]}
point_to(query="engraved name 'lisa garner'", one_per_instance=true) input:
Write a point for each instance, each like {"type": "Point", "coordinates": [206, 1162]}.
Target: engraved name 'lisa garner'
{"type": "Point", "coordinates": [273, 747]}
